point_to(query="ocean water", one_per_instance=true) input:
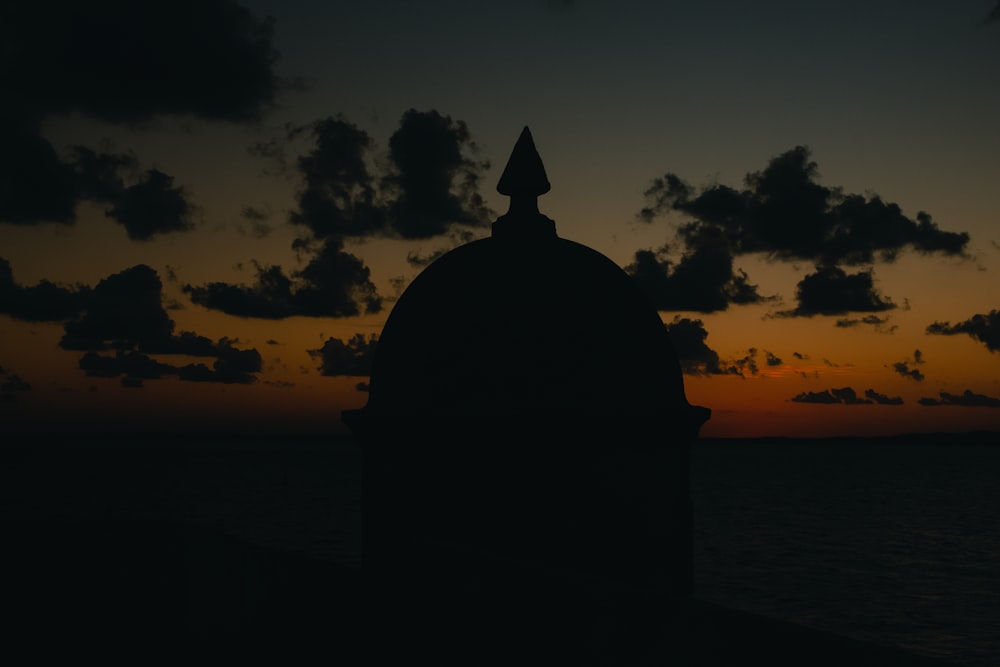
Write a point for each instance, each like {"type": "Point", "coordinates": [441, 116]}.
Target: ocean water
{"type": "Point", "coordinates": [895, 542]}
{"type": "Point", "coordinates": [890, 541]}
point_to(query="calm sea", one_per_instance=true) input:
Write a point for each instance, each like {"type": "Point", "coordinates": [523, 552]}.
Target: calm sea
{"type": "Point", "coordinates": [891, 541]}
{"type": "Point", "coordinates": [896, 542]}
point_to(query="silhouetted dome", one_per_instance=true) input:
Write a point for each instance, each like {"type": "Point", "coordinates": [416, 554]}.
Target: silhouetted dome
{"type": "Point", "coordinates": [524, 323]}
{"type": "Point", "coordinates": [527, 444]}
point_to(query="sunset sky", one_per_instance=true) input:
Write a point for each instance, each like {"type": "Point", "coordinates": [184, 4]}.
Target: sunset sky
{"type": "Point", "coordinates": [208, 208]}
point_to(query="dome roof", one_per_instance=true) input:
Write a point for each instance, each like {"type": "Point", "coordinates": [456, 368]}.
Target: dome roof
{"type": "Point", "coordinates": [524, 323]}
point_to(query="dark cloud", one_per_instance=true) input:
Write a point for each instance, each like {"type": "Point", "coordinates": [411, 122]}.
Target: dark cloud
{"type": "Point", "coordinates": [703, 281]}
{"type": "Point", "coordinates": [430, 184]}
{"type": "Point", "coordinates": [876, 322]}
{"type": "Point", "coordinates": [187, 343]}
{"type": "Point", "coordinates": [333, 284]}
{"type": "Point", "coordinates": [254, 214]}
{"type": "Point", "coordinates": [848, 396]}
{"type": "Point", "coordinates": [815, 397]}
{"type": "Point", "coordinates": [832, 291]}
{"type": "Point", "coordinates": [43, 302]}
{"type": "Point", "coordinates": [695, 357]}
{"type": "Point", "coordinates": [746, 364]}
{"type": "Point", "coordinates": [123, 363]}
{"type": "Point", "coordinates": [124, 61]}
{"type": "Point", "coordinates": [258, 222]}
{"type": "Point", "coordinates": [121, 62]}
{"type": "Point", "coordinates": [688, 338]}
{"type": "Point", "coordinates": [124, 313]}
{"type": "Point", "coordinates": [843, 395]}
{"type": "Point", "coordinates": [339, 196]}
{"type": "Point", "coordinates": [231, 365]}
{"type": "Point", "coordinates": [965, 399]}
{"type": "Point", "coordinates": [425, 185]}
{"type": "Point", "coordinates": [353, 357]}
{"type": "Point", "coordinates": [270, 297]}
{"type": "Point", "coordinates": [883, 399]}
{"type": "Point", "coordinates": [36, 185]}
{"type": "Point", "coordinates": [772, 359]}
{"type": "Point", "coordinates": [434, 178]}
{"type": "Point", "coordinates": [12, 382]}
{"type": "Point", "coordinates": [984, 328]}
{"type": "Point", "coordinates": [800, 355]}
{"type": "Point", "coordinates": [100, 176]}
{"type": "Point", "coordinates": [152, 206]}
{"type": "Point", "coordinates": [11, 386]}
{"type": "Point", "coordinates": [784, 213]}
{"type": "Point", "coordinates": [908, 368]}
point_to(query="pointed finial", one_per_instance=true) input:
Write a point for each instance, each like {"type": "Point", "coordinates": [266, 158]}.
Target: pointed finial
{"type": "Point", "coordinates": [524, 173]}
{"type": "Point", "coordinates": [523, 179]}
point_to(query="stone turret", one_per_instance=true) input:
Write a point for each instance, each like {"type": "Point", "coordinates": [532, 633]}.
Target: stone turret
{"type": "Point", "coordinates": [526, 415]}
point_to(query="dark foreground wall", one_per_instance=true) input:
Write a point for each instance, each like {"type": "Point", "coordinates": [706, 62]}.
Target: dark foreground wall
{"type": "Point", "coordinates": [130, 556]}
{"type": "Point", "coordinates": [151, 589]}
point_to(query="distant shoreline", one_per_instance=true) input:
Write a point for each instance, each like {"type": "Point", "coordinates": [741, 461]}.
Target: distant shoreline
{"type": "Point", "coordinates": [338, 438]}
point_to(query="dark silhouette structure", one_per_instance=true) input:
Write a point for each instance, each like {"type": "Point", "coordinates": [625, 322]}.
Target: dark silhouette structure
{"type": "Point", "coordinates": [526, 444]}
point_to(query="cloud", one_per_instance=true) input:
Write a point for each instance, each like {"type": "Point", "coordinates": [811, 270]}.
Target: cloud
{"type": "Point", "coordinates": [257, 219]}
{"type": "Point", "coordinates": [424, 185]}
{"type": "Point", "coordinates": [965, 399]}
{"type": "Point", "coordinates": [11, 382]}
{"type": "Point", "coordinates": [876, 322]}
{"type": "Point", "coordinates": [124, 313]}
{"type": "Point", "coordinates": [695, 357]}
{"type": "Point", "coordinates": [784, 213]}
{"type": "Point", "coordinates": [844, 395]}
{"type": "Point", "coordinates": [429, 185]}
{"type": "Point", "coordinates": [984, 328]}
{"type": "Point", "coordinates": [832, 291]}
{"type": "Point", "coordinates": [772, 359]}
{"type": "Point", "coordinates": [333, 284]}
{"type": "Point", "coordinates": [100, 176]}
{"type": "Point", "coordinates": [353, 357]}
{"type": "Point", "coordinates": [152, 206]}
{"type": "Point", "coordinates": [124, 362]}
{"type": "Point", "coordinates": [36, 185]}
{"type": "Point", "coordinates": [703, 281]}
{"type": "Point", "coordinates": [339, 196]}
{"type": "Point", "coordinates": [904, 369]}
{"type": "Point", "coordinates": [882, 399]}
{"type": "Point", "coordinates": [43, 302]}
{"type": "Point", "coordinates": [11, 385]}
{"type": "Point", "coordinates": [231, 366]}
{"type": "Point", "coordinates": [125, 63]}
{"type": "Point", "coordinates": [434, 177]}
